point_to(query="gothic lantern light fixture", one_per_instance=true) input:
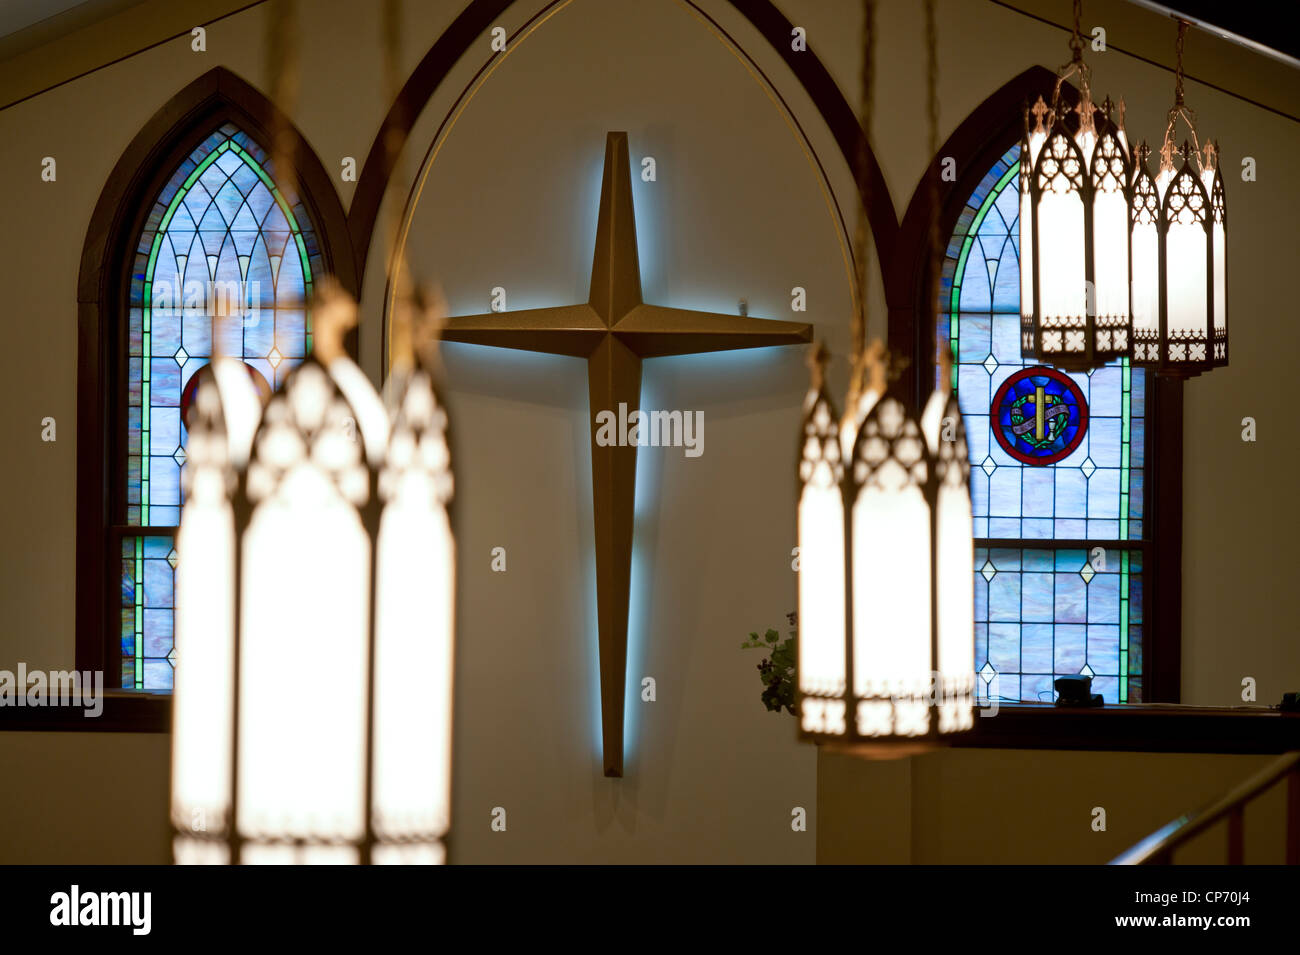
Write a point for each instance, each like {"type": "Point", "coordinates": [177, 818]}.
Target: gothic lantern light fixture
{"type": "Point", "coordinates": [1075, 170]}
{"type": "Point", "coordinates": [312, 709]}
{"type": "Point", "coordinates": [1180, 291]}
{"type": "Point", "coordinates": [886, 582]}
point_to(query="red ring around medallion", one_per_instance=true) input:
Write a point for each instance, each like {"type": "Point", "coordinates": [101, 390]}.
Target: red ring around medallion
{"type": "Point", "coordinates": [1067, 384]}
{"type": "Point", "coordinates": [192, 387]}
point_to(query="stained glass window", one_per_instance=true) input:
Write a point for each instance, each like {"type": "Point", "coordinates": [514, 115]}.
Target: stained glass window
{"type": "Point", "coordinates": [221, 239]}
{"type": "Point", "coordinates": [1057, 469]}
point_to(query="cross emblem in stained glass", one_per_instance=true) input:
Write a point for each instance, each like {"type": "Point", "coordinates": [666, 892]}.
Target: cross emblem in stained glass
{"type": "Point", "coordinates": [1040, 415]}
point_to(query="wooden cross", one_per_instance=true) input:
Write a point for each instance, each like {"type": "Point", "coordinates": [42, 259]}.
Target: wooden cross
{"type": "Point", "coordinates": [614, 330]}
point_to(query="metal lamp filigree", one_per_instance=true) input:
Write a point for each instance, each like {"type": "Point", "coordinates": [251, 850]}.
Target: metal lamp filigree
{"type": "Point", "coordinates": [1075, 171]}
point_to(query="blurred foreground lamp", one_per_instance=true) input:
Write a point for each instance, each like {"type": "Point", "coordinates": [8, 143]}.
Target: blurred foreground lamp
{"type": "Point", "coordinates": [1180, 293]}
{"type": "Point", "coordinates": [312, 710]}
{"type": "Point", "coordinates": [1074, 227]}
{"type": "Point", "coordinates": [886, 646]}
{"type": "Point", "coordinates": [886, 582]}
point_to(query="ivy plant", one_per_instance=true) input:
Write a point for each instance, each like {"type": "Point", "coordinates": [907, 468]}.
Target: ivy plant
{"type": "Point", "coordinates": [777, 668]}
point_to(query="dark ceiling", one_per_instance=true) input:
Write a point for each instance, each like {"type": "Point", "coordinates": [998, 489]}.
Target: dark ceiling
{"type": "Point", "coordinates": [1272, 23]}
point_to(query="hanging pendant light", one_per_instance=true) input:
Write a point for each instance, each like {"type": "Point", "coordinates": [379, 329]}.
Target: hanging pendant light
{"type": "Point", "coordinates": [315, 551]}
{"type": "Point", "coordinates": [886, 582]}
{"type": "Point", "coordinates": [1180, 300]}
{"type": "Point", "coordinates": [1074, 225]}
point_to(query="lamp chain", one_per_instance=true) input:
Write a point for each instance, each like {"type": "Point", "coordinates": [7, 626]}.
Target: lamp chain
{"type": "Point", "coordinates": [282, 68]}
{"type": "Point", "coordinates": [1076, 39]}
{"type": "Point", "coordinates": [867, 78]}
{"type": "Point", "coordinates": [1178, 72]}
{"type": "Point", "coordinates": [1180, 109]}
{"type": "Point", "coordinates": [932, 109]}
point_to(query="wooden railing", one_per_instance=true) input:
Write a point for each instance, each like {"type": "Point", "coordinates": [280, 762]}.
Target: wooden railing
{"type": "Point", "coordinates": [1158, 848]}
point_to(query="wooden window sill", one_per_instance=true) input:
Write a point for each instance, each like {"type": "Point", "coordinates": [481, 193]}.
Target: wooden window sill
{"type": "Point", "coordinates": [124, 711]}
{"type": "Point", "coordinates": [1137, 727]}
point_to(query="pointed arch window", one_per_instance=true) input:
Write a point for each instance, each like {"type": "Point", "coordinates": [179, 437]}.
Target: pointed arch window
{"type": "Point", "coordinates": [221, 238]}
{"type": "Point", "coordinates": [1058, 476]}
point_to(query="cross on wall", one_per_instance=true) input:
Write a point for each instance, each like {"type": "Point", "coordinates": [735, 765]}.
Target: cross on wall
{"type": "Point", "coordinates": [615, 330]}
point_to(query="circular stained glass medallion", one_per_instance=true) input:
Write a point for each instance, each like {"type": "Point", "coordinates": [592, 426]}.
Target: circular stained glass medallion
{"type": "Point", "coordinates": [1039, 415]}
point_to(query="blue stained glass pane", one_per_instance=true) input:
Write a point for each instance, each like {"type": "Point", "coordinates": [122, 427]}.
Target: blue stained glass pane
{"type": "Point", "coordinates": [1103, 493]}
{"type": "Point", "coordinates": [976, 338]}
{"type": "Point", "coordinates": [196, 333]}
{"type": "Point", "coordinates": [1104, 442]}
{"type": "Point", "coordinates": [1006, 287]}
{"type": "Point", "coordinates": [1008, 686]}
{"type": "Point", "coordinates": [1071, 528]}
{"type": "Point", "coordinates": [1036, 648]}
{"type": "Point", "coordinates": [1137, 399]}
{"type": "Point", "coordinates": [1037, 492]}
{"type": "Point", "coordinates": [1071, 492]}
{"type": "Point", "coordinates": [1103, 598]}
{"type": "Point", "coordinates": [1103, 649]}
{"type": "Point", "coordinates": [164, 430]}
{"type": "Point", "coordinates": [976, 295]}
{"type": "Point", "coordinates": [1071, 649]}
{"type": "Point", "coordinates": [1004, 597]}
{"type": "Point", "coordinates": [1041, 561]}
{"type": "Point", "coordinates": [1108, 687]}
{"type": "Point", "coordinates": [158, 546]}
{"type": "Point", "coordinates": [1037, 528]}
{"type": "Point", "coordinates": [164, 481]}
{"type": "Point", "coordinates": [1037, 688]}
{"type": "Point", "coordinates": [259, 333]}
{"type": "Point", "coordinates": [164, 516]}
{"type": "Point", "coordinates": [164, 383]}
{"type": "Point", "coordinates": [1036, 601]}
{"type": "Point", "coordinates": [1004, 492]}
{"type": "Point", "coordinates": [1005, 558]}
{"type": "Point", "coordinates": [1104, 392]}
{"type": "Point", "coordinates": [1006, 336]}
{"type": "Point", "coordinates": [1103, 530]}
{"type": "Point", "coordinates": [1004, 646]}
{"type": "Point", "coordinates": [973, 388]}
{"type": "Point", "coordinates": [158, 674]}
{"type": "Point", "coordinates": [158, 637]}
{"type": "Point", "coordinates": [977, 436]}
{"type": "Point", "coordinates": [1003, 527]}
{"type": "Point", "coordinates": [1071, 597]}
{"type": "Point", "coordinates": [166, 331]}
{"type": "Point", "coordinates": [157, 583]}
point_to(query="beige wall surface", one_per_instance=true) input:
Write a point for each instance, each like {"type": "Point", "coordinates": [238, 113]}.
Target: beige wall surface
{"type": "Point", "coordinates": [739, 210]}
{"type": "Point", "coordinates": [1031, 807]}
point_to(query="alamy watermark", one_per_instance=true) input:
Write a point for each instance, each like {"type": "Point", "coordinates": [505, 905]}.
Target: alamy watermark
{"type": "Point", "coordinates": [651, 429]}
{"type": "Point", "coordinates": [53, 688]}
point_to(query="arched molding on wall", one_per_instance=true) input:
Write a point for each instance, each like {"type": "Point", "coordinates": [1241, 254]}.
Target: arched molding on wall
{"type": "Point", "coordinates": [989, 131]}
{"type": "Point", "coordinates": [991, 128]}
{"type": "Point", "coordinates": [835, 111]}
{"type": "Point", "coordinates": [103, 283]}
